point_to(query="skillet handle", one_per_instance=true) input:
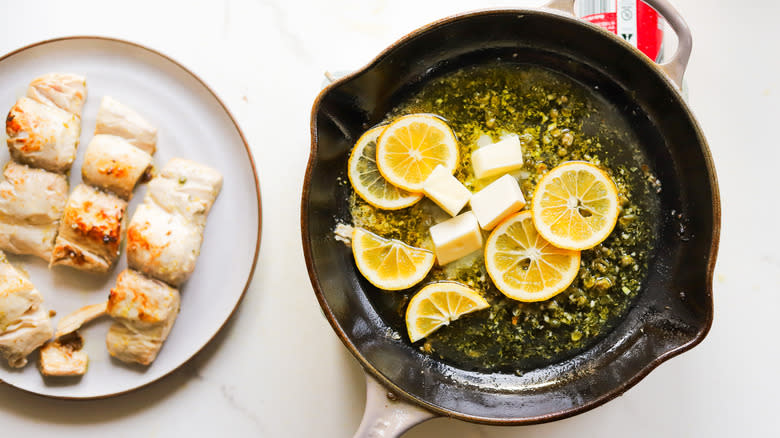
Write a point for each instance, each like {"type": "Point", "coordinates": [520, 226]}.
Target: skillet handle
{"type": "Point", "coordinates": [675, 67]}
{"type": "Point", "coordinates": [387, 416]}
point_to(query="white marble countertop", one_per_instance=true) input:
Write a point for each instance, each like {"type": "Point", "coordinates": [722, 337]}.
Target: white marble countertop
{"type": "Point", "coordinates": [278, 370]}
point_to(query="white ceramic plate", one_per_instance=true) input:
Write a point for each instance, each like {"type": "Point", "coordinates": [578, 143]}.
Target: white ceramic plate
{"type": "Point", "coordinates": [192, 124]}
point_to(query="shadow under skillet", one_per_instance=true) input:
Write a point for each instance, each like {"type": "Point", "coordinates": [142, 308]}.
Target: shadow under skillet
{"type": "Point", "coordinates": [75, 412]}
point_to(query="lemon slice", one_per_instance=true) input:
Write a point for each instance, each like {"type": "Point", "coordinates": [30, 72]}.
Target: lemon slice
{"type": "Point", "coordinates": [523, 265]}
{"type": "Point", "coordinates": [575, 205]}
{"type": "Point", "coordinates": [435, 305]}
{"type": "Point", "coordinates": [389, 264]}
{"type": "Point", "coordinates": [368, 183]}
{"type": "Point", "coordinates": [412, 146]}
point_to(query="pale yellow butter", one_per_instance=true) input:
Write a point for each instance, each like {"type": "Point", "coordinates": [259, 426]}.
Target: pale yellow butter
{"type": "Point", "coordinates": [446, 191]}
{"type": "Point", "coordinates": [498, 200]}
{"type": "Point", "coordinates": [456, 238]}
{"type": "Point", "coordinates": [498, 158]}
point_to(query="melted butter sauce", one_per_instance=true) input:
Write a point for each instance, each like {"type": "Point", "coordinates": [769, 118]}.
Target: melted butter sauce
{"type": "Point", "coordinates": [558, 120]}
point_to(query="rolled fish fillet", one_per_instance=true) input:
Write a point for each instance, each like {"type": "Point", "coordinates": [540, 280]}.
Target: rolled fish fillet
{"type": "Point", "coordinates": [185, 187]}
{"type": "Point", "coordinates": [24, 322]}
{"type": "Point", "coordinates": [90, 230]}
{"type": "Point", "coordinates": [62, 90]}
{"type": "Point", "coordinates": [113, 164]}
{"type": "Point", "coordinates": [144, 310]}
{"type": "Point", "coordinates": [163, 245]}
{"type": "Point", "coordinates": [31, 204]}
{"type": "Point", "coordinates": [42, 136]}
{"type": "Point", "coordinates": [166, 232]}
{"type": "Point", "coordinates": [37, 240]}
{"type": "Point", "coordinates": [115, 118]}
{"type": "Point", "coordinates": [73, 321]}
{"type": "Point", "coordinates": [64, 357]}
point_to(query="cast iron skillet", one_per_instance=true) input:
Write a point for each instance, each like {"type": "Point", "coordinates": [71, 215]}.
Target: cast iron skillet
{"type": "Point", "coordinates": [674, 309]}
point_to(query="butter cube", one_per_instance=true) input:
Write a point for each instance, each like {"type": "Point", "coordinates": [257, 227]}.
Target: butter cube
{"type": "Point", "coordinates": [456, 238]}
{"type": "Point", "coordinates": [498, 200]}
{"type": "Point", "coordinates": [446, 191]}
{"type": "Point", "coordinates": [498, 158]}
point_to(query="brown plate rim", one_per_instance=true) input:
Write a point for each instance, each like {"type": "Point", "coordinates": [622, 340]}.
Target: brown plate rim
{"type": "Point", "coordinates": [257, 191]}
{"type": "Point", "coordinates": [368, 367]}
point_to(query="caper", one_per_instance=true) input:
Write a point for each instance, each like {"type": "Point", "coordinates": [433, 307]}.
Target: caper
{"type": "Point", "coordinates": [603, 283]}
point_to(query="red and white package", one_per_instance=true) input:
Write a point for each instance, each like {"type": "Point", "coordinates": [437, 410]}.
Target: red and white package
{"type": "Point", "coordinates": [632, 20]}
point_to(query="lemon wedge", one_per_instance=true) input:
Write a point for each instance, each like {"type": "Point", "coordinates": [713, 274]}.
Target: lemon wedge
{"type": "Point", "coordinates": [389, 264]}
{"type": "Point", "coordinates": [575, 205]}
{"type": "Point", "coordinates": [437, 304]}
{"type": "Point", "coordinates": [523, 265]}
{"type": "Point", "coordinates": [412, 146]}
{"type": "Point", "coordinates": [368, 182]}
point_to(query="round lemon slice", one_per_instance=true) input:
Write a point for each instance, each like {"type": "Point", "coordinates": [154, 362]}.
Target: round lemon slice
{"type": "Point", "coordinates": [523, 265]}
{"type": "Point", "coordinates": [575, 205]}
{"type": "Point", "coordinates": [368, 182]}
{"type": "Point", "coordinates": [389, 264]}
{"type": "Point", "coordinates": [412, 146]}
{"type": "Point", "coordinates": [437, 304]}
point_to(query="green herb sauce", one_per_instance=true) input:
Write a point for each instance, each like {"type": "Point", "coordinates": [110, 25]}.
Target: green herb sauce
{"type": "Point", "coordinates": [557, 120]}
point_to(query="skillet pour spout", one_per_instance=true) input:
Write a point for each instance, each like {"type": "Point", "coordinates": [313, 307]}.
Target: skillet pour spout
{"type": "Point", "coordinates": [674, 309]}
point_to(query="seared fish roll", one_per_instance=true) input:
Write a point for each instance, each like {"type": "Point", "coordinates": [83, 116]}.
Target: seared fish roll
{"type": "Point", "coordinates": [144, 310]}
{"type": "Point", "coordinates": [42, 136]}
{"type": "Point", "coordinates": [73, 321]}
{"type": "Point", "coordinates": [90, 230]}
{"type": "Point", "coordinates": [64, 357]}
{"type": "Point", "coordinates": [37, 240]}
{"type": "Point", "coordinates": [165, 234]}
{"type": "Point", "coordinates": [163, 245]}
{"type": "Point", "coordinates": [114, 118]}
{"type": "Point", "coordinates": [24, 322]}
{"type": "Point", "coordinates": [185, 187]}
{"type": "Point", "coordinates": [31, 204]}
{"type": "Point", "coordinates": [113, 164]}
{"type": "Point", "coordinates": [62, 90]}
{"type": "Point", "coordinates": [32, 195]}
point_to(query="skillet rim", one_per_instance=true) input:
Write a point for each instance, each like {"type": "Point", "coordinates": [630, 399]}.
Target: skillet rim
{"type": "Point", "coordinates": [642, 372]}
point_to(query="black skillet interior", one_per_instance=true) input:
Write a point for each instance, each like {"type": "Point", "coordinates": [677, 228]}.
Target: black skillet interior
{"type": "Point", "coordinates": [674, 309]}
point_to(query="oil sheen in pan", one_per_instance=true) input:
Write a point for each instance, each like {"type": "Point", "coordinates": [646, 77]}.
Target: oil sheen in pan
{"type": "Point", "coordinates": [558, 119]}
